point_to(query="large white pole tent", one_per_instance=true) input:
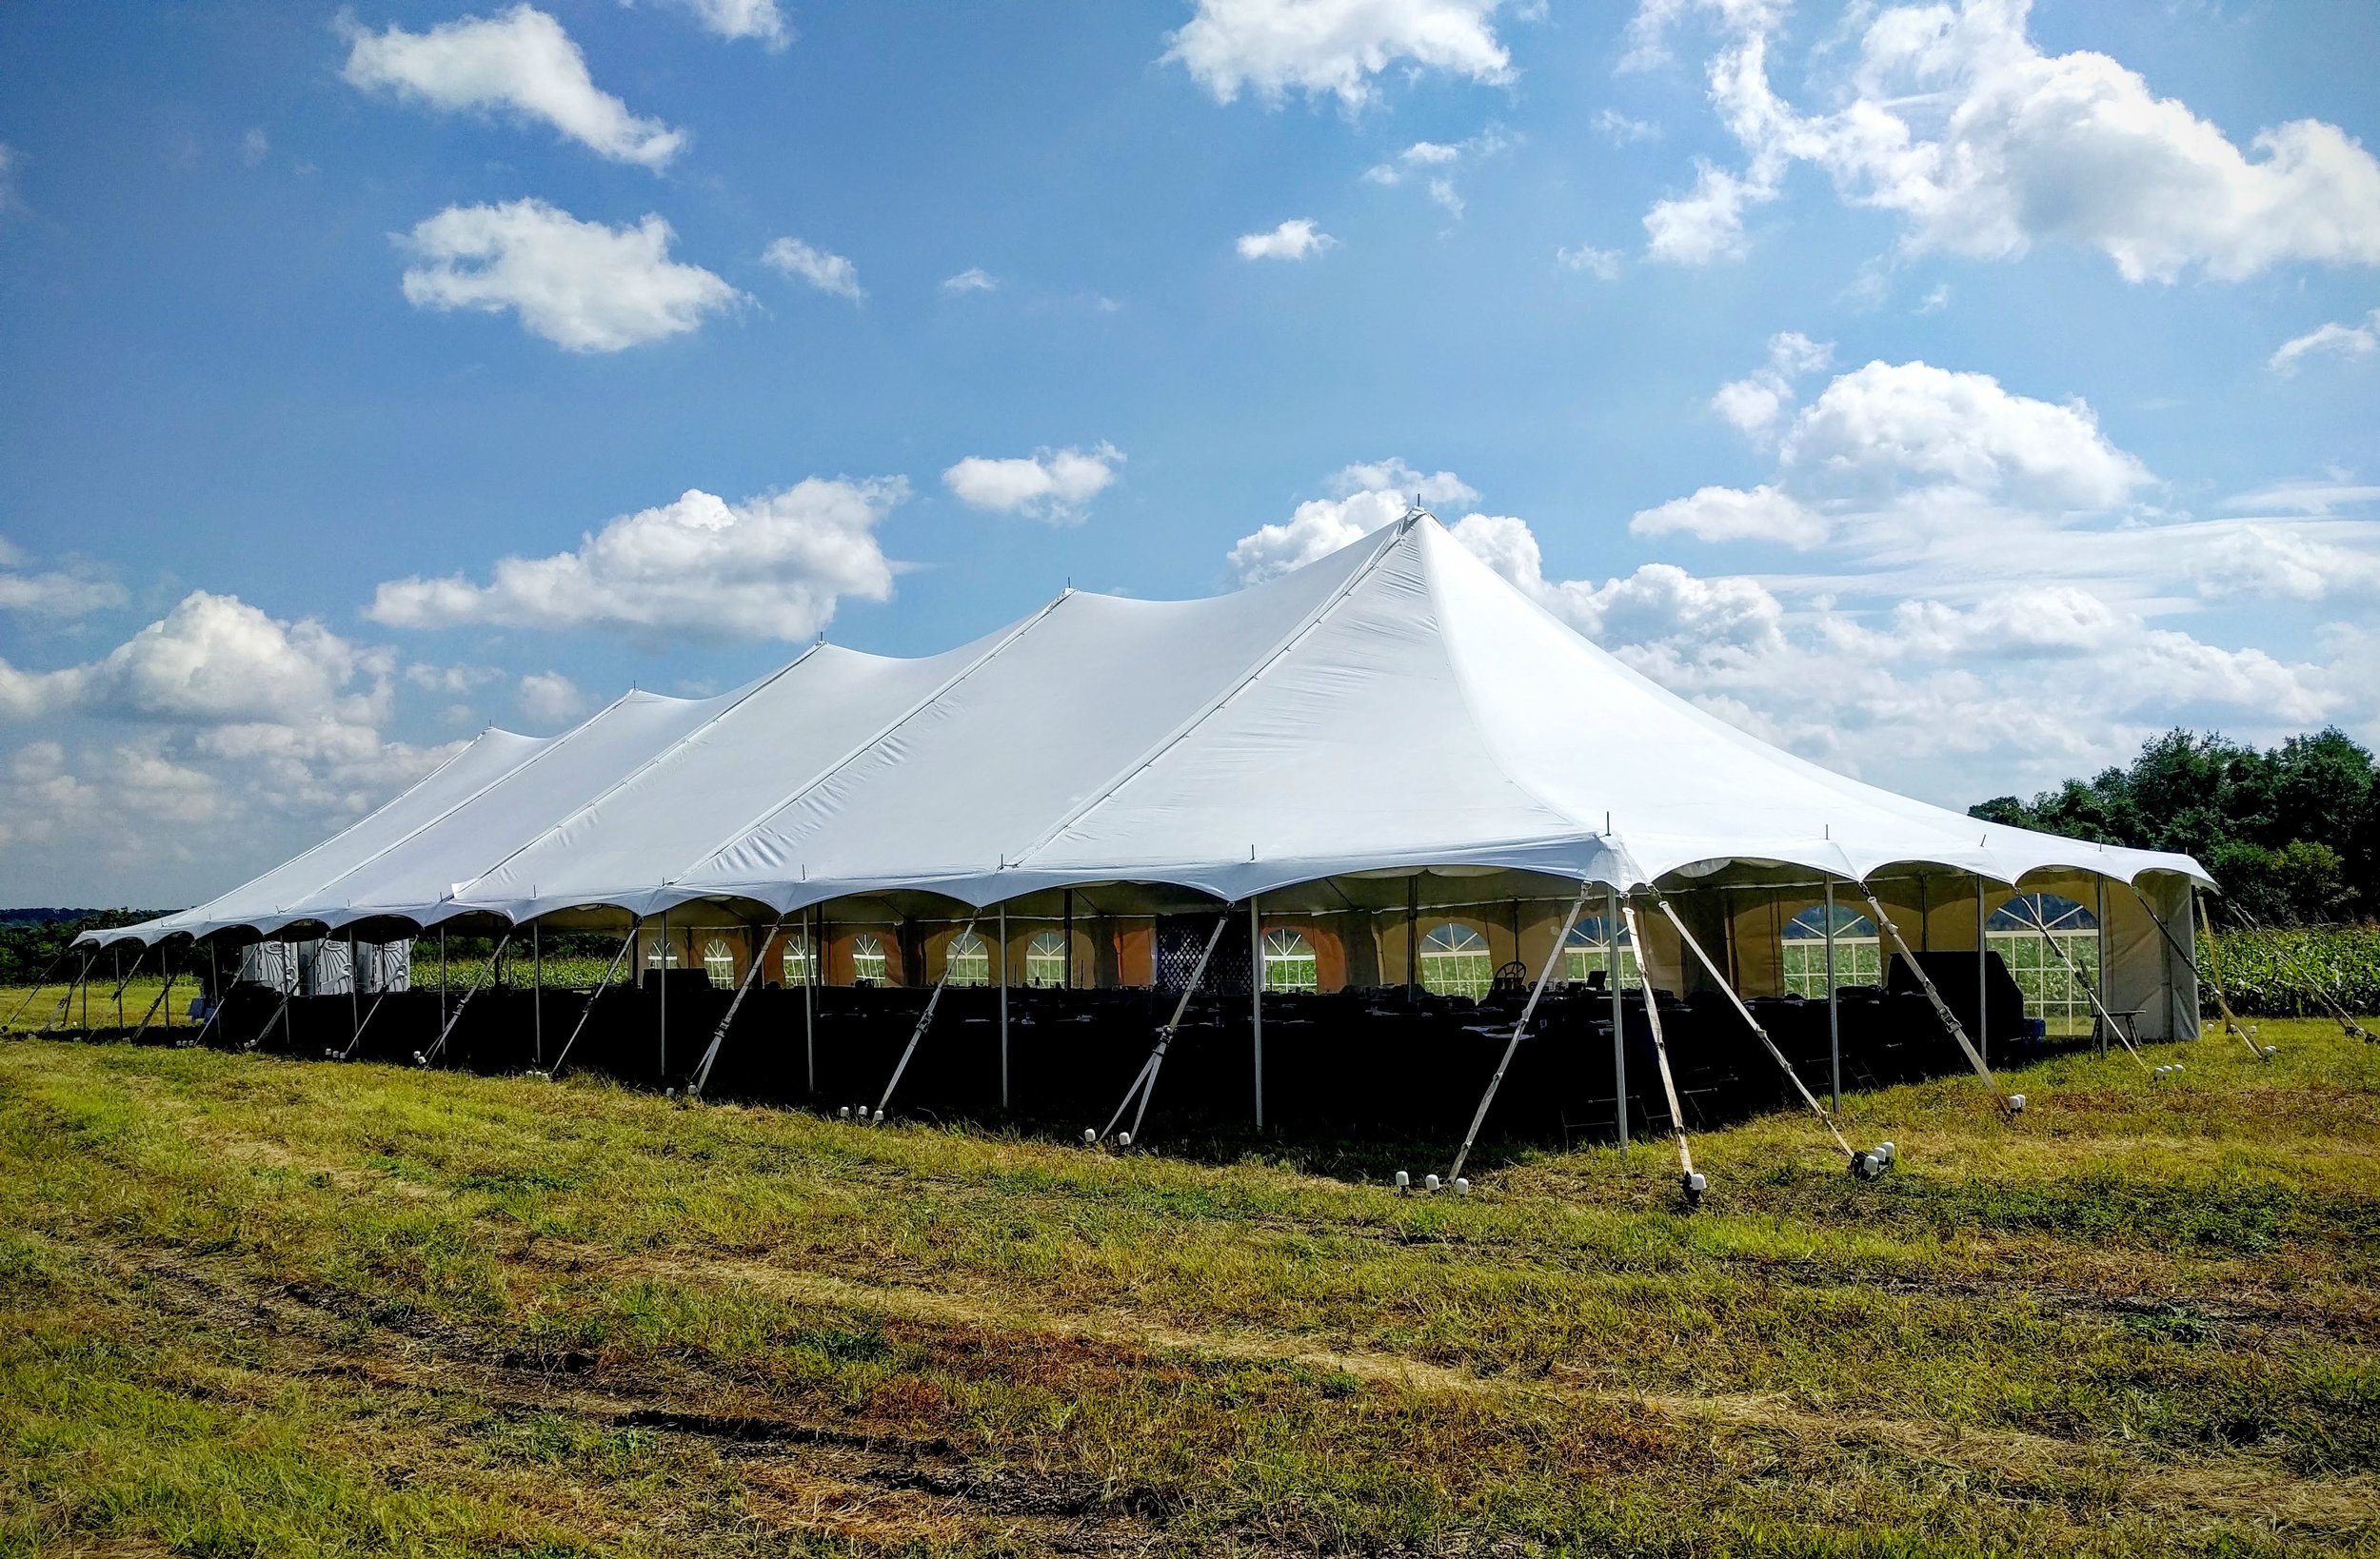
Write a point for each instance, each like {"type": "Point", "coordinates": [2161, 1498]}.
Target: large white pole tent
{"type": "Point", "coordinates": [1393, 726]}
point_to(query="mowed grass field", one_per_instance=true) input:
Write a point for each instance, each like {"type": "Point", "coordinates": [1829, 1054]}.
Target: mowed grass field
{"type": "Point", "coordinates": [257, 1307]}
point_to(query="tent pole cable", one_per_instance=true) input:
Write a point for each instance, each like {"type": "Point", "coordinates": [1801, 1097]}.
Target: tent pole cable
{"type": "Point", "coordinates": [1941, 1008]}
{"type": "Point", "coordinates": [494, 960]}
{"type": "Point", "coordinates": [1617, 976]}
{"type": "Point", "coordinates": [596, 994]}
{"type": "Point", "coordinates": [1834, 1009]}
{"type": "Point", "coordinates": [1762, 1035]}
{"type": "Point", "coordinates": [2107, 1019]}
{"type": "Point", "coordinates": [1256, 1001]}
{"type": "Point", "coordinates": [1660, 1052]}
{"type": "Point", "coordinates": [744, 988]}
{"type": "Point", "coordinates": [1520, 1030]}
{"type": "Point", "coordinates": [1145, 1083]}
{"type": "Point", "coordinates": [1003, 1004]}
{"type": "Point", "coordinates": [925, 1018]}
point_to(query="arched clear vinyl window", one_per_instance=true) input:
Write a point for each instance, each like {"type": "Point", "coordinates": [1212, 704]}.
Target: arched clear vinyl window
{"type": "Point", "coordinates": [1289, 963]}
{"type": "Point", "coordinates": [867, 959]}
{"type": "Point", "coordinates": [1454, 961]}
{"type": "Point", "coordinates": [1589, 951]}
{"type": "Point", "coordinates": [796, 960]}
{"type": "Point", "coordinates": [2030, 933]}
{"type": "Point", "coordinates": [1045, 958]}
{"type": "Point", "coordinates": [967, 960]}
{"type": "Point", "coordinates": [719, 962]}
{"type": "Point", "coordinates": [1858, 958]}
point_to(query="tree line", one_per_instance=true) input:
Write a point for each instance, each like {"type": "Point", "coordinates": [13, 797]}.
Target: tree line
{"type": "Point", "coordinates": [2291, 833]}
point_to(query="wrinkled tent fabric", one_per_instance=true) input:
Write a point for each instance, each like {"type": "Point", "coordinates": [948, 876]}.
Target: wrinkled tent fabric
{"type": "Point", "coordinates": [1395, 706]}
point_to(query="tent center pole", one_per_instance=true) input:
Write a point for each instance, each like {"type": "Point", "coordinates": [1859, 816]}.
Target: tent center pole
{"type": "Point", "coordinates": [1619, 1039]}
{"type": "Point", "coordinates": [1256, 1002]}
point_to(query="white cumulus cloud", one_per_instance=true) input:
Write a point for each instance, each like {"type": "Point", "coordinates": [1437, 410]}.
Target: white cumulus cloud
{"type": "Point", "coordinates": [759, 20]}
{"type": "Point", "coordinates": [1050, 485]}
{"type": "Point", "coordinates": [824, 271]}
{"type": "Point", "coordinates": [1335, 47]}
{"type": "Point", "coordinates": [548, 698]}
{"type": "Point", "coordinates": [2348, 340]}
{"type": "Point", "coordinates": [1366, 496]}
{"type": "Point", "coordinates": [1603, 265]}
{"type": "Point", "coordinates": [1296, 239]}
{"type": "Point", "coordinates": [519, 61]}
{"type": "Point", "coordinates": [1955, 121]}
{"type": "Point", "coordinates": [771, 567]}
{"type": "Point", "coordinates": [584, 287]}
{"type": "Point", "coordinates": [973, 279]}
{"type": "Point", "coordinates": [1754, 402]}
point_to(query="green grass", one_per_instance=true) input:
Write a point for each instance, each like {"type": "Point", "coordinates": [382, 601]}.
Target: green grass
{"type": "Point", "coordinates": [252, 1306]}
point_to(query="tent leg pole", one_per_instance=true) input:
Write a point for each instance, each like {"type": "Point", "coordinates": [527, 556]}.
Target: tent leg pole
{"type": "Point", "coordinates": [1983, 990]}
{"type": "Point", "coordinates": [1145, 1084]}
{"type": "Point", "coordinates": [1941, 1009]}
{"type": "Point", "coordinates": [442, 979]}
{"type": "Point", "coordinates": [1003, 1004]}
{"type": "Point", "coordinates": [2101, 904]}
{"type": "Point", "coordinates": [1256, 1003]}
{"type": "Point", "coordinates": [1619, 1038]}
{"type": "Point", "coordinates": [744, 988]}
{"type": "Point", "coordinates": [171, 972]}
{"type": "Point", "coordinates": [1688, 1180]}
{"type": "Point", "coordinates": [1834, 1009]}
{"type": "Point", "coordinates": [355, 992]}
{"type": "Point", "coordinates": [494, 962]}
{"type": "Point", "coordinates": [1520, 1031]}
{"type": "Point", "coordinates": [537, 994]}
{"type": "Point", "coordinates": [925, 1018]}
{"type": "Point", "coordinates": [813, 961]}
{"type": "Point", "coordinates": [1762, 1035]}
{"type": "Point", "coordinates": [592, 997]}
{"type": "Point", "coordinates": [662, 1076]}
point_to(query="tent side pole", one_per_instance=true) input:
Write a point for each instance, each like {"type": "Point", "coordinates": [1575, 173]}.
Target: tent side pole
{"type": "Point", "coordinates": [744, 988]}
{"type": "Point", "coordinates": [1256, 1001]}
{"type": "Point", "coordinates": [813, 961]}
{"type": "Point", "coordinates": [1660, 1057]}
{"type": "Point", "coordinates": [537, 997]}
{"type": "Point", "coordinates": [2101, 904]}
{"type": "Point", "coordinates": [494, 964]}
{"type": "Point", "coordinates": [1003, 1004]}
{"type": "Point", "coordinates": [1616, 976]}
{"type": "Point", "coordinates": [355, 989]}
{"type": "Point", "coordinates": [1145, 1084]}
{"type": "Point", "coordinates": [172, 970]}
{"type": "Point", "coordinates": [1941, 1008]}
{"type": "Point", "coordinates": [442, 977]}
{"type": "Point", "coordinates": [925, 1018]}
{"type": "Point", "coordinates": [662, 1074]}
{"type": "Point", "coordinates": [1520, 1030]}
{"type": "Point", "coordinates": [1983, 964]}
{"type": "Point", "coordinates": [1833, 1008]}
{"type": "Point", "coordinates": [596, 994]}
{"type": "Point", "coordinates": [1762, 1035]}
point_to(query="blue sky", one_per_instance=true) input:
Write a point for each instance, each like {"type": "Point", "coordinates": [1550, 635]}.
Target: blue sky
{"type": "Point", "coordinates": [1953, 394]}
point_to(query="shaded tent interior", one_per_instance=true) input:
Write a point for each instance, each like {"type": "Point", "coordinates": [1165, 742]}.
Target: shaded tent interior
{"type": "Point", "coordinates": [1391, 763]}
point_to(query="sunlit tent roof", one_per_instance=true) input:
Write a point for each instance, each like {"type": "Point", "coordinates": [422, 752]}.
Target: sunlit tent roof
{"type": "Point", "coordinates": [1395, 706]}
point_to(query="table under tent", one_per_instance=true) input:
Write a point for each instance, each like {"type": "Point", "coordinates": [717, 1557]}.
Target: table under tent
{"type": "Point", "coordinates": [1380, 847]}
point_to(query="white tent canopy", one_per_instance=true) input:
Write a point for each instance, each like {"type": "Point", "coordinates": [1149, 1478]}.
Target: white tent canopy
{"type": "Point", "coordinates": [1395, 706]}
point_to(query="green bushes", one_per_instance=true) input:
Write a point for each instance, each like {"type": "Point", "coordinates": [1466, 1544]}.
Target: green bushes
{"type": "Point", "coordinates": [2275, 973]}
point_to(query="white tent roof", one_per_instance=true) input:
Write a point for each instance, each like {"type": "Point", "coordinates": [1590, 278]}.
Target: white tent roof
{"type": "Point", "coordinates": [1395, 706]}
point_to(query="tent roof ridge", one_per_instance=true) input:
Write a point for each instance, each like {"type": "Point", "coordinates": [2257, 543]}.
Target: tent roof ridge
{"type": "Point", "coordinates": [647, 766]}
{"type": "Point", "coordinates": [854, 754]}
{"type": "Point", "coordinates": [1313, 620]}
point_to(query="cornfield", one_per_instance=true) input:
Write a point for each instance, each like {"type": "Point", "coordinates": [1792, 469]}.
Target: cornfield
{"type": "Point", "coordinates": [2275, 973]}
